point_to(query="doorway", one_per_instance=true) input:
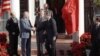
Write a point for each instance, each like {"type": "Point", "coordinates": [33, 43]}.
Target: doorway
{"type": "Point", "coordinates": [23, 7]}
{"type": "Point", "coordinates": [56, 7]}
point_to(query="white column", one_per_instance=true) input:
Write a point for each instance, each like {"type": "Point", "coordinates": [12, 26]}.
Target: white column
{"type": "Point", "coordinates": [32, 11]}
{"type": "Point", "coordinates": [81, 18]}
{"type": "Point", "coordinates": [15, 8]}
{"type": "Point", "coordinates": [31, 8]}
{"type": "Point", "coordinates": [42, 2]}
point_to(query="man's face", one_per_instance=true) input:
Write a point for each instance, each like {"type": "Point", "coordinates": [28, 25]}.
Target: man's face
{"type": "Point", "coordinates": [45, 6]}
{"type": "Point", "coordinates": [98, 22]}
{"type": "Point", "coordinates": [26, 14]}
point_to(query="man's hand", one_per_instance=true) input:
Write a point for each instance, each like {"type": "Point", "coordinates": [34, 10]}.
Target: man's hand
{"type": "Point", "coordinates": [49, 17]}
{"type": "Point", "coordinates": [54, 38]}
{"type": "Point", "coordinates": [44, 32]}
{"type": "Point", "coordinates": [33, 29]}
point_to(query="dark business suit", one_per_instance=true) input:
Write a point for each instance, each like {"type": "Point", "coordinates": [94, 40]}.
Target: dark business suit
{"type": "Point", "coordinates": [48, 11]}
{"type": "Point", "coordinates": [13, 29]}
{"type": "Point", "coordinates": [51, 31]}
{"type": "Point", "coordinates": [95, 40]}
{"type": "Point", "coordinates": [25, 35]}
{"type": "Point", "coordinates": [40, 28]}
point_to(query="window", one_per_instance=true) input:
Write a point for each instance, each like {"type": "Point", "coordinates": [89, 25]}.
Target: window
{"type": "Point", "coordinates": [3, 22]}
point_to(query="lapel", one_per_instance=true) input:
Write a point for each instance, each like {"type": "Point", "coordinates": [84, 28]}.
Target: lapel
{"type": "Point", "coordinates": [27, 21]}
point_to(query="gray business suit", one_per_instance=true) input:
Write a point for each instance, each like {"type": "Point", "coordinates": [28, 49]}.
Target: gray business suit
{"type": "Point", "coordinates": [25, 35]}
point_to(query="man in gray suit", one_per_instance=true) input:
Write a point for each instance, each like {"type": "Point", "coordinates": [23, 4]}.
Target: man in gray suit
{"type": "Point", "coordinates": [25, 34]}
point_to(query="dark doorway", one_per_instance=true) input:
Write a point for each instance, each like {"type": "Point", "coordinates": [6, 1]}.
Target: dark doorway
{"type": "Point", "coordinates": [56, 7]}
{"type": "Point", "coordinates": [88, 12]}
{"type": "Point", "coordinates": [23, 6]}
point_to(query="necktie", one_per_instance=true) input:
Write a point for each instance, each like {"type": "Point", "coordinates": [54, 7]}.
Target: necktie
{"type": "Point", "coordinates": [30, 23]}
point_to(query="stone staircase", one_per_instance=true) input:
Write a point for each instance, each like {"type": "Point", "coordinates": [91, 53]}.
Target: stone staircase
{"type": "Point", "coordinates": [62, 45]}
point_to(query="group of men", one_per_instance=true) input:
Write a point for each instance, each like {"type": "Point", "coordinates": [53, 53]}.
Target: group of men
{"type": "Point", "coordinates": [46, 32]}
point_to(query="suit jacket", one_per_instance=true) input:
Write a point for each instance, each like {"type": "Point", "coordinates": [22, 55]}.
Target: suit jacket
{"type": "Point", "coordinates": [51, 28]}
{"type": "Point", "coordinates": [25, 27]}
{"type": "Point", "coordinates": [40, 24]}
{"type": "Point", "coordinates": [95, 32]}
{"type": "Point", "coordinates": [12, 26]}
{"type": "Point", "coordinates": [40, 28]}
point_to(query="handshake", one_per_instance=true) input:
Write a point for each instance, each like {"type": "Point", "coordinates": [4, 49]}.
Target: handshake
{"type": "Point", "coordinates": [33, 28]}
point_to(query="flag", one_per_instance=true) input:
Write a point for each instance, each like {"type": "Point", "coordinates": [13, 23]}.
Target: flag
{"type": "Point", "coordinates": [5, 5]}
{"type": "Point", "coordinates": [0, 11]}
{"type": "Point", "coordinates": [0, 8]}
{"type": "Point", "coordinates": [70, 13]}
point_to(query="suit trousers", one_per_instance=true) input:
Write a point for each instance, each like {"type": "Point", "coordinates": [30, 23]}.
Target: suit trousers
{"type": "Point", "coordinates": [13, 45]}
{"type": "Point", "coordinates": [95, 49]}
{"type": "Point", "coordinates": [50, 46]}
{"type": "Point", "coordinates": [26, 46]}
{"type": "Point", "coordinates": [40, 43]}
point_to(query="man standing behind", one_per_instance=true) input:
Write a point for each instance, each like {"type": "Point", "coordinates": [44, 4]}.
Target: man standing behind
{"type": "Point", "coordinates": [40, 31]}
{"type": "Point", "coordinates": [95, 38]}
{"type": "Point", "coordinates": [50, 36]}
{"type": "Point", "coordinates": [51, 31]}
{"type": "Point", "coordinates": [13, 29]}
{"type": "Point", "coordinates": [25, 34]}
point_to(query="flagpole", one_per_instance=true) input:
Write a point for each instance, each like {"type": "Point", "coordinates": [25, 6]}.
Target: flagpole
{"type": "Point", "coordinates": [31, 9]}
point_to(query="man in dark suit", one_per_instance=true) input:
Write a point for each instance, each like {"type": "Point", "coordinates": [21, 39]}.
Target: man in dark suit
{"type": "Point", "coordinates": [25, 34]}
{"type": "Point", "coordinates": [40, 32]}
{"type": "Point", "coordinates": [51, 34]}
{"type": "Point", "coordinates": [13, 29]}
{"type": "Point", "coordinates": [95, 38]}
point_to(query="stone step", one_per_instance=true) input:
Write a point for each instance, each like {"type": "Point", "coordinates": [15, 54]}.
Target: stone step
{"type": "Point", "coordinates": [33, 51]}
{"type": "Point", "coordinates": [62, 45]}
{"type": "Point", "coordinates": [64, 36]}
{"type": "Point", "coordinates": [59, 36]}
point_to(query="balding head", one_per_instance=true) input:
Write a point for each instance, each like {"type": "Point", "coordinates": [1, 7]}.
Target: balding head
{"type": "Point", "coordinates": [26, 14]}
{"type": "Point", "coordinates": [46, 6]}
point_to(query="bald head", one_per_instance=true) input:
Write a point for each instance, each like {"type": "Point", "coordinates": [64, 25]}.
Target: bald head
{"type": "Point", "coordinates": [46, 6]}
{"type": "Point", "coordinates": [26, 14]}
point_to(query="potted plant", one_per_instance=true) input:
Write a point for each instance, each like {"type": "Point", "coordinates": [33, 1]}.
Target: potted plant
{"type": "Point", "coordinates": [3, 44]}
{"type": "Point", "coordinates": [86, 38]}
{"type": "Point", "coordinates": [79, 49]}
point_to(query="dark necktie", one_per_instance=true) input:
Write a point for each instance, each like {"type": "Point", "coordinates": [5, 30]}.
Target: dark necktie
{"type": "Point", "coordinates": [30, 23]}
